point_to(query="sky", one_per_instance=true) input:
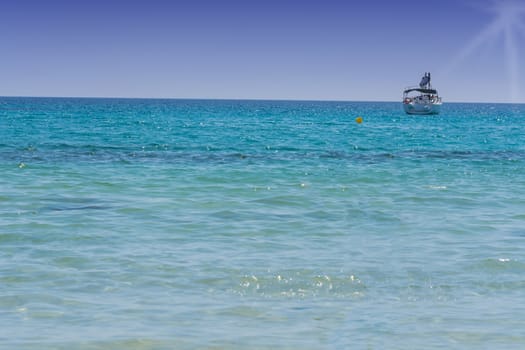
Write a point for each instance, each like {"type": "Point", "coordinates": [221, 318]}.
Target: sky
{"type": "Point", "coordinates": [367, 50]}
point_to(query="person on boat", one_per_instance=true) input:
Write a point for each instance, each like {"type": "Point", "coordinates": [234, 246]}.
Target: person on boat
{"type": "Point", "coordinates": [425, 80]}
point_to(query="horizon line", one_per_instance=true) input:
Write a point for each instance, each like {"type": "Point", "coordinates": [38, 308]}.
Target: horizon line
{"type": "Point", "coordinates": [238, 99]}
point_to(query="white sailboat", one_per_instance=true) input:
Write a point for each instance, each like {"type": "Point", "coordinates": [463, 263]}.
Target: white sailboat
{"type": "Point", "coordinates": [423, 99]}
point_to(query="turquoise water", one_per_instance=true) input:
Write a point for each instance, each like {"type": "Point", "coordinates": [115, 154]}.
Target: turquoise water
{"type": "Point", "coordinates": [187, 224]}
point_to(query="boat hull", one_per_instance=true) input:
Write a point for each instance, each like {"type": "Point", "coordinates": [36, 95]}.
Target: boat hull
{"type": "Point", "coordinates": [422, 108]}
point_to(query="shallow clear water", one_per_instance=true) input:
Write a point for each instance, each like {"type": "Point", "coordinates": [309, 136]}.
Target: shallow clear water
{"type": "Point", "coordinates": [187, 224]}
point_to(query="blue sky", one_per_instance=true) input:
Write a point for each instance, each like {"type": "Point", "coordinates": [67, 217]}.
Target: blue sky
{"type": "Point", "coordinates": [287, 49]}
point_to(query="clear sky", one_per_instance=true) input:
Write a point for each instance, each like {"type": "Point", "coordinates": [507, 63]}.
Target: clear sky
{"type": "Point", "coordinates": [266, 49]}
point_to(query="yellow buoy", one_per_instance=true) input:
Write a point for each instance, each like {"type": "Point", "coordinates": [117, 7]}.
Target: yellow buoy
{"type": "Point", "coordinates": [359, 120]}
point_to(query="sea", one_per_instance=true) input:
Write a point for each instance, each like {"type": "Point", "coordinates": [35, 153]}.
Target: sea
{"type": "Point", "coordinates": [218, 224]}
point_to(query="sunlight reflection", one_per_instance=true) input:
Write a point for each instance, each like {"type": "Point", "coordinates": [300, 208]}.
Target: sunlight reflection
{"type": "Point", "coordinates": [508, 24]}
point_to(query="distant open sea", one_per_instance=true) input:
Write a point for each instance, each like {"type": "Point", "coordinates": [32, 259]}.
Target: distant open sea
{"type": "Point", "coordinates": [214, 224]}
